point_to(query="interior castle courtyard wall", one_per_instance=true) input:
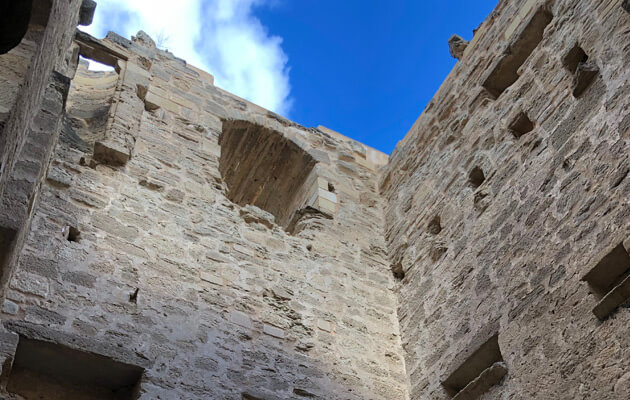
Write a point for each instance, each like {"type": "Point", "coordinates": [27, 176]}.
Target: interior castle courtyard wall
{"type": "Point", "coordinates": [162, 238]}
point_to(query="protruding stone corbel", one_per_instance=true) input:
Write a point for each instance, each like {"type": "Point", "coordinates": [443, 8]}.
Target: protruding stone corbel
{"type": "Point", "coordinates": [457, 45]}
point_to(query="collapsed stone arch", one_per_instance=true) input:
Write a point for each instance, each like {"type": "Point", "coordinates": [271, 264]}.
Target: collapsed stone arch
{"type": "Point", "coordinates": [264, 168]}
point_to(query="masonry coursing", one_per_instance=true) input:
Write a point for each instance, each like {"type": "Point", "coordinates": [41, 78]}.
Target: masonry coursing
{"type": "Point", "coordinates": [512, 247]}
{"type": "Point", "coordinates": [151, 235]}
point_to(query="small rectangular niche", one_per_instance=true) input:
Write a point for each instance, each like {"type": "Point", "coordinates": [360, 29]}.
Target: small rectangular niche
{"type": "Point", "coordinates": [609, 281]}
{"type": "Point", "coordinates": [505, 74]}
{"type": "Point", "coordinates": [521, 125]}
{"type": "Point", "coordinates": [576, 61]}
{"type": "Point", "coordinates": [573, 58]}
{"type": "Point", "coordinates": [482, 370]}
{"type": "Point", "coordinates": [44, 370]}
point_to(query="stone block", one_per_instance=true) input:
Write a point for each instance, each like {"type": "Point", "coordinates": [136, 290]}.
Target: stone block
{"type": "Point", "coordinates": [488, 378]}
{"type": "Point", "coordinates": [273, 331]}
{"type": "Point", "coordinates": [457, 45]}
{"type": "Point", "coordinates": [324, 325]}
{"type": "Point", "coordinates": [584, 76]}
{"type": "Point", "coordinates": [211, 278]}
{"type": "Point", "coordinates": [10, 307]}
{"type": "Point", "coordinates": [241, 319]}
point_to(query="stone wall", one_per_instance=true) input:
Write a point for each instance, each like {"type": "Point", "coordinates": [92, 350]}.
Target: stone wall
{"type": "Point", "coordinates": [187, 244]}
{"type": "Point", "coordinates": [509, 190]}
{"type": "Point", "coordinates": [143, 240]}
{"type": "Point", "coordinates": [33, 86]}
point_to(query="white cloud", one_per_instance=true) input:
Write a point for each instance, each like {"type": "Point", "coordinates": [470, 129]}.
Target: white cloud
{"type": "Point", "coordinates": [220, 36]}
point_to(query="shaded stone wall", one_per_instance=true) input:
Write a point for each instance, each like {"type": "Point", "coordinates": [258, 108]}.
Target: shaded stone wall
{"type": "Point", "coordinates": [31, 63]}
{"type": "Point", "coordinates": [33, 82]}
{"type": "Point", "coordinates": [136, 244]}
{"type": "Point", "coordinates": [507, 191]}
{"type": "Point", "coordinates": [187, 244]}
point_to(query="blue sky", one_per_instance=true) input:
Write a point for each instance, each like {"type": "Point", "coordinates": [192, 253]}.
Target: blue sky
{"type": "Point", "coordinates": [364, 68]}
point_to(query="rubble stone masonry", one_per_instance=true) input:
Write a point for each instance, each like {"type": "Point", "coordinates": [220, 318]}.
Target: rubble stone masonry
{"type": "Point", "coordinates": [161, 238]}
{"type": "Point", "coordinates": [508, 190]}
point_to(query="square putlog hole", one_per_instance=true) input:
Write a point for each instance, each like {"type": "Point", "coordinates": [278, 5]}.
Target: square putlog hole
{"type": "Point", "coordinates": [44, 370]}
{"type": "Point", "coordinates": [576, 61]}
{"type": "Point", "coordinates": [521, 125]}
{"type": "Point", "coordinates": [573, 58]}
{"type": "Point", "coordinates": [476, 177]}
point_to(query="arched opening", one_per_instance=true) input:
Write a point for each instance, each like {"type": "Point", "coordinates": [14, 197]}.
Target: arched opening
{"type": "Point", "coordinates": [263, 168]}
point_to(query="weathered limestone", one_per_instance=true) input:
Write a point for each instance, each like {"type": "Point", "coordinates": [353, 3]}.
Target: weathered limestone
{"type": "Point", "coordinates": [240, 254]}
{"type": "Point", "coordinates": [457, 46]}
{"type": "Point", "coordinates": [161, 238]}
{"type": "Point", "coordinates": [539, 104]}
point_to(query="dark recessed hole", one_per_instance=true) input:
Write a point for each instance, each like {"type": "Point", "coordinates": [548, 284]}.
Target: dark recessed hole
{"type": "Point", "coordinates": [576, 61]}
{"type": "Point", "coordinates": [133, 297]}
{"type": "Point", "coordinates": [476, 177]}
{"type": "Point", "coordinates": [74, 235]}
{"type": "Point", "coordinates": [14, 20]}
{"type": "Point", "coordinates": [609, 271]}
{"type": "Point", "coordinates": [309, 247]}
{"type": "Point", "coordinates": [44, 370]}
{"type": "Point", "coordinates": [437, 252]}
{"type": "Point", "coordinates": [18, 17]}
{"type": "Point", "coordinates": [435, 226]}
{"type": "Point", "coordinates": [397, 270]}
{"type": "Point", "coordinates": [506, 71]}
{"type": "Point", "coordinates": [521, 125]}
{"type": "Point", "coordinates": [7, 238]}
{"type": "Point", "coordinates": [331, 187]}
{"type": "Point", "coordinates": [573, 58]}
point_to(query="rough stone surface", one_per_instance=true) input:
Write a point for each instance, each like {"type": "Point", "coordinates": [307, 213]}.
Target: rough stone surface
{"type": "Point", "coordinates": [556, 201]}
{"type": "Point", "coordinates": [456, 46]}
{"type": "Point", "coordinates": [164, 255]}
{"type": "Point", "coordinates": [86, 15]}
{"type": "Point", "coordinates": [154, 225]}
